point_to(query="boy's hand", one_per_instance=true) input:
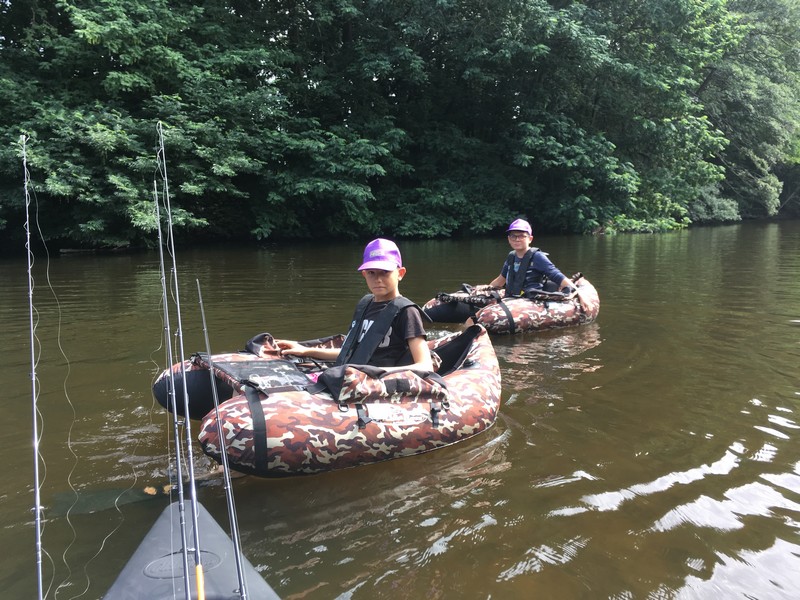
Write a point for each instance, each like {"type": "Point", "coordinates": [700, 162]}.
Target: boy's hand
{"type": "Point", "coordinates": [569, 292]}
{"type": "Point", "coordinates": [291, 347]}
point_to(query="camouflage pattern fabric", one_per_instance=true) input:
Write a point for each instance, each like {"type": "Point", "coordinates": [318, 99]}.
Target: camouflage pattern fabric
{"type": "Point", "coordinates": [473, 298]}
{"type": "Point", "coordinates": [402, 386]}
{"type": "Point", "coordinates": [280, 373]}
{"type": "Point", "coordinates": [312, 433]}
{"type": "Point", "coordinates": [536, 315]}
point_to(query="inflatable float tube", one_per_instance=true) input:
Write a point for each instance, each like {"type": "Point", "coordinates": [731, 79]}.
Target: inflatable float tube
{"type": "Point", "coordinates": [547, 310]}
{"type": "Point", "coordinates": [277, 421]}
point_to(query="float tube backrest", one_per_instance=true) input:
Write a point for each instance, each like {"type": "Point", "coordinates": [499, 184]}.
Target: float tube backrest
{"type": "Point", "coordinates": [454, 352]}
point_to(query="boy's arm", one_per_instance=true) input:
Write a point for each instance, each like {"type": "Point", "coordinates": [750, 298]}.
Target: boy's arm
{"type": "Point", "coordinates": [542, 263]}
{"type": "Point", "coordinates": [297, 349]}
{"type": "Point", "coordinates": [421, 355]}
{"type": "Point", "coordinates": [498, 282]}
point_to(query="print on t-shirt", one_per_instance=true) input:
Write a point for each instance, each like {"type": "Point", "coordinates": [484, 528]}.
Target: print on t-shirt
{"type": "Point", "coordinates": [365, 328]}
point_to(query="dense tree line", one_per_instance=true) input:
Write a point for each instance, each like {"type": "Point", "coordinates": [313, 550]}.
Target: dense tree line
{"type": "Point", "coordinates": [292, 118]}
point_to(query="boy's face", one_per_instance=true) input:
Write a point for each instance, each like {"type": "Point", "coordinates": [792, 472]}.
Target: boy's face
{"type": "Point", "coordinates": [383, 284]}
{"type": "Point", "coordinates": [519, 239]}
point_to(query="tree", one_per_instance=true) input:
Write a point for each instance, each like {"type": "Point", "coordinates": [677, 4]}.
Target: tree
{"type": "Point", "coordinates": [751, 94]}
{"type": "Point", "coordinates": [89, 82]}
{"type": "Point", "coordinates": [408, 118]}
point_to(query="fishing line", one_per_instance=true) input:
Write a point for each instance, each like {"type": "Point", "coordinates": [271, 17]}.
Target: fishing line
{"type": "Point", "coordinates": [38, 423]}
{"type": "Point", "coordinates": [75, 457]}
{"type": "Point", "coordinates": [158, 371]}
{"type": "Point", "coordinates": [166, 415]}
{"type": "Point", "coordinates": [35, 353]}
{"type": "Point", "coordinates": [107, 536]}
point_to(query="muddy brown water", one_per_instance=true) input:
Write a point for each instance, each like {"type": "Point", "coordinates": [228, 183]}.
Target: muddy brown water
{"type": "Point", "coordinates": [651, 454]}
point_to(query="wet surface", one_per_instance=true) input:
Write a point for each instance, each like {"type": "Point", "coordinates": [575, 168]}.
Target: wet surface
{"type": "Point", "coordinates": [651, 454]}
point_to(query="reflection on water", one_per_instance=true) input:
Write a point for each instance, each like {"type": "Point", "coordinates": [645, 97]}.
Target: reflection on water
{"type": "Point", "coordinates": [651, 454]}
{"type": "Point", "coordinates": [530, 361]}
{"type": "Point", "coordinates": [773, 570]}
{"type": "Point", "coordinates": [361, 526]}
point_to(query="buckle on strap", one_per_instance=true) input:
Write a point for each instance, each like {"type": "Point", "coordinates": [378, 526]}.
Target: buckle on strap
{"type": "Point", "coordinates": [436, 408]}
{"type": "Point", "coordinates": [435, 415]}
{"type": "Point", "coordinates": [363, 418]}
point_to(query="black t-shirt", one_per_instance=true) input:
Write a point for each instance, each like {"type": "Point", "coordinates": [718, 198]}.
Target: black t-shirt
{"type": "Point", "coordinates": [394, 347]}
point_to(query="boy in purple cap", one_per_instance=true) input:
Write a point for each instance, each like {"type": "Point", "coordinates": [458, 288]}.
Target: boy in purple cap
{"type": "Point", "coordinates": [525, 269]}
{"type": "Point", "coordinates": [387, 329]}
{"type": "Point", "coordinates": [538, 270]}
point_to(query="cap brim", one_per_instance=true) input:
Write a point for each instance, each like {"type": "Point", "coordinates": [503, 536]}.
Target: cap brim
{"type": "Point", "coordinates": [382, 265]}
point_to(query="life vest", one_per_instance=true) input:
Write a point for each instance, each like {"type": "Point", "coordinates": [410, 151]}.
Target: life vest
{"type": "Point", "coordinates": [360, 352]}
{"type": "Point", "coordinates": [515, 280]}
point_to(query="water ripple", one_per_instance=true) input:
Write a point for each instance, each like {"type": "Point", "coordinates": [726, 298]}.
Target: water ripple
{"type": "Point", "coordinates": [442, 544]}
{"type": "Point", "coordinates": [614, 499]}
{"type": "Point", "coordinates": [753, 499]}
{"type": "Point", "coordinates": [538, 557]}
{"type": "Point", "coordinates": [771, 573]}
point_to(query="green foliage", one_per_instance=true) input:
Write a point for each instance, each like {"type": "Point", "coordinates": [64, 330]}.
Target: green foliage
{"type": "Point", "coordinates": [711, 207]}
{"type": "Point", "coordinates": [751, 94]}
{"type": "Point", "coordinates": [623, 224]}
{"type": "Point", "coordinates": [409, 118]}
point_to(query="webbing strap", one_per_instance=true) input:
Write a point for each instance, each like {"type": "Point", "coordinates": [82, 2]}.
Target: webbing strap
{"type": "Point", "coordinates": [259, 428]}
{"type": "Point", "coordinates": [435, 410]}
{"type": "Point", "coordinates": [397, 386]}
{"type": "Point", "coordinates": [512, 327]}
{"type": "Point", "coordinates": [363, 419]}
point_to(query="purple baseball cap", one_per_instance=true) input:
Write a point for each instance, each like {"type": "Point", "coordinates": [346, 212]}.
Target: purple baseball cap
{"type": "Point", "coordinates": [520, 225]}
{"type": "Point", "coordinates": [381, 254]}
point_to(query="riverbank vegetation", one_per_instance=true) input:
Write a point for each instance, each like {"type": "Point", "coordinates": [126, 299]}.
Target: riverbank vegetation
{"type": "Point", "coordinates": [409, 118]}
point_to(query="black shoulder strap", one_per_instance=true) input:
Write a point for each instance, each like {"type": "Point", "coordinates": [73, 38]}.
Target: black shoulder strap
{"type": "Point", "coordinates": [512, 325]}
{"type": "Point", "coordinates": [360, 352]}
{"type": "Point", "coordinates": [516, 279]}
{"type": "Point", "coordinates": [350, 340]}
{"type": "Point", "coordinates": [510, 261]}
{"type": "Point", "coordinates": [259, 430]}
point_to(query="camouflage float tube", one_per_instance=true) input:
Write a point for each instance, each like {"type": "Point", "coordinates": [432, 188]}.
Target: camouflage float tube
{"type": "Point", "coordinates": [277, 421]}
{"type": "Point", "coordinates": [548, 310]}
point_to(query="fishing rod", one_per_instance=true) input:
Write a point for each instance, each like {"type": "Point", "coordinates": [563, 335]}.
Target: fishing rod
{"type": "Point", "coordinates": [37, 499]}
{"type": "Point", "coordinates": [172, 396]}
{"type": "Point", "coordinates": [226, 471]}
{"type": "Point", "coordinates": [198, 565]}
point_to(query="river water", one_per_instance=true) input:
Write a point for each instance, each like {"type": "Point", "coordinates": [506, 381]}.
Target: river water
{"type": "Point", "coordinates": [652, 454]}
